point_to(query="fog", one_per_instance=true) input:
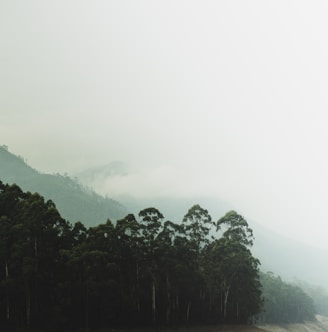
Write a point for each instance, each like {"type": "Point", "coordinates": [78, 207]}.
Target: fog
{"type": "Point", "coordinates": [218, 99]}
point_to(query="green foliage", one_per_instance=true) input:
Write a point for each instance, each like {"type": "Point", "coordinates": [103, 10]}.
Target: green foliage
{"type": "Point", "coordinates": [318, 295]}
{"type": "Point", "coordinates": [283, 302]}
{"type": "Point", "coordinates": [57, 275]}
{"type": "Point", "coordinates": [197, 225]}
{"type": "Point", "coordinates": [236, 228]}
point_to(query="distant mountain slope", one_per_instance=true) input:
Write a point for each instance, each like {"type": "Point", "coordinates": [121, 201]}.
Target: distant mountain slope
{"type": "Point", "coordinates": [74, 201]}
{"type": "Point", "coordinates": [290, 259]}
{"type": "Point", "coordinates": [284, 256]}
{"type": "Point", "coordinates": [115, 168]}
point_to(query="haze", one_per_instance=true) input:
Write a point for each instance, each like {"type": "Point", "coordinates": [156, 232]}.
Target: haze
{"type": "Point", "coordinates": [223, 99]}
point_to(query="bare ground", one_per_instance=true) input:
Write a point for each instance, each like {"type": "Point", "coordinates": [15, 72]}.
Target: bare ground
{"type": "Point", "coordinates": [217, 328]}
{"type": "Point", "coordinates": [320, 325]}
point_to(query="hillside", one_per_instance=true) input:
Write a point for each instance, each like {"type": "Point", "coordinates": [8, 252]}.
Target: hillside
{"type": "Point", "coordinates": [287, 257]}
{"type": "Point", "coordinates": [74, 201]}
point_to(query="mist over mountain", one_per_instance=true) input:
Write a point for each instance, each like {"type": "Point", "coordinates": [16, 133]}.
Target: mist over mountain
{"type": "Point", "coordinates": [74, 201]}
{"type": "Point", "coordinates": [115, 168]}
{"type": "Point", "coordinates": [125, 185]}
{"type": "Point", "coordinates": [292, 260]}
{"type": "Point", "coordinates": [289, 258]}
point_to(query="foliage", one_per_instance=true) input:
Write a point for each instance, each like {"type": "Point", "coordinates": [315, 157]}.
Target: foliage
{"type": "Point", "coordinates": [283, 302]}
{"type": "Point", "coordinates": [319, 296]}
{"type": "Point", "coordinates": [54, 274]}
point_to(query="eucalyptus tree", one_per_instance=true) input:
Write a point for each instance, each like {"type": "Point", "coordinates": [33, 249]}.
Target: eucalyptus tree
{"type": "Point", "coordinates": [129, 259]}
{"type": "Point", "coordinates": [10, 267]}
{"type": "Point", "coordinates": [169, 262]}
{"type": "Point", "coordinates": [39, 247]}
{"type": "Point", "coordinates": [232, 269]}
{"type": "Point", "coordinates": [6, 238]}
{"type": "Point", "coordinates": [53, 273]}
{"type": "Point", "coordinates": [93, 277]}
{"type": "Point", "coordinates": [236, 228]}
{"type": "Point", "coordinates": [31, 231]}
{"type": "Point", "coordinates": [151, 224]}
{"type": "Point", "coordinates": [197, 226]}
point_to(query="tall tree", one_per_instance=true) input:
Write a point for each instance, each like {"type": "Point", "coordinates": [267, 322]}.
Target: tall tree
{"type": "Point", "coordinates": [198, 224]}
{"type": "Point", "coordinates": [233, 269]}
{"type": "Point", "coordinates": [151, 223]}
{"type": "Point", "coordinates": [236, 228]}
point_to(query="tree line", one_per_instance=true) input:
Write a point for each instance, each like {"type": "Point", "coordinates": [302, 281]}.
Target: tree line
{"type": "Point", "coordinates": [318, 294]}
{"type": "Point", "coordinates": [284, 303]}
{"type": "Point", "coordinates": [139, 271]}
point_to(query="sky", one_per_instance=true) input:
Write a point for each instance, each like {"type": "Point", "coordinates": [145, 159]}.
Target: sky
{"type": "Point", "coordinates": [225, 99]}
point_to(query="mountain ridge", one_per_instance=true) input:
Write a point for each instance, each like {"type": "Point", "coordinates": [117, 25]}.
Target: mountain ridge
{"type": "Point", "coordinates": [287, 257]}
{"type": "Point", "coordinates": [73, 200]}
{"type": "Point", "coordinates": [78, 202]}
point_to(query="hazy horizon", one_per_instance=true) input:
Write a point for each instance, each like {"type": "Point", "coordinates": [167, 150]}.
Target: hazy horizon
{"type": "Point", "coordinates": [200, 98]}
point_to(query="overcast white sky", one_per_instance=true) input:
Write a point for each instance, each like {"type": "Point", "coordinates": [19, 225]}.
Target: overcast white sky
{"type": "Point", "coordinates": [219, 98]}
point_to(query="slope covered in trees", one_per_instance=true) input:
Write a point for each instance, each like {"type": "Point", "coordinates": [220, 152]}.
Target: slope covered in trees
{"type": "Point", "coordinates": [74, 201]}
{"type": "Point", "coordinates": [318, 294]}
{"type": "Point", "coordinates": [284, 303]}
{"type": "Point", "coordinates": [54, 274]}
{"type": "Point", "coordinates": [58, 275]}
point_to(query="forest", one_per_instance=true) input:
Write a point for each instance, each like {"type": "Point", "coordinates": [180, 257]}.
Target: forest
{"type": "Point", "coordinates": [284, 303]}
{"type": "Point", "coordinates": [138, 271]}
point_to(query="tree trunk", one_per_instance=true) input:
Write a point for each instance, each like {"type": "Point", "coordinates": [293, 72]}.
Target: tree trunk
{"type": "Point", "coordinates": [36, 254]}
{"type": "Point", "coordinates": [28, 308]}
{"type": "Point", "coordinates": [86, 307]}
{"type": "Point", "coordinates": [35, 247]}
{"type": "Point", "coordinates": [221, 304]}
{"type": "Point", "coordinates": [188, 311]}
{"type": "Point", "coordinates": [153, 300]}
{"type": "Point", "coordinates": [168, 306]}
{"type": "Point", "coordinates": [237, 311]}
{"type": "Point", "coordinates": [210, 300]}
{"type": "Point", "coordinates": [226, 295]}
{"type": "Point", "coordinates": [7, 292]}
{"type": "Point", "coordinates": [6, 268]}
{"type": "Point", "coordinates": [7, 308]}
{"type": "Point", "coordinates": [137, 289]}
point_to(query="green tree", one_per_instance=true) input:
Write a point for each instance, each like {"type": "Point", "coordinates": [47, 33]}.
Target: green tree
{"type": "Point", "coordinates": [236, 228]}
{"type": "Point", "coordinates": [31, 229]}
{"type": "Point", "coordinates": [283, 302]}
{"type": "Point", "coordinates": [231, 270]}
{"type": "Point", "coordinates": [151, 224]}
{"type": "Point", "coordinates": [198, 224]}
{"type": "Point", "coordinates": [232, 280]}
{"type": "Point", "coordinates": [54, 274]}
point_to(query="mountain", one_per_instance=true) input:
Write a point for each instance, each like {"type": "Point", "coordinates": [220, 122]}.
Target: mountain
{"type": "Point", "coordinates": [115, 168]}
{"type": "Point", "coordinates": [121, 179]}
{"type": "Point", "coordinates": [74, 201]}
{"type": "Point", "coordinates": [284, 256]}
{"type": "Point", "coordinates": [291, 259]}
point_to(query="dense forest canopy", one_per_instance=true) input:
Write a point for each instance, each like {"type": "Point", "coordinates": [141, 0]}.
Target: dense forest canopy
{"type": "Point", "coordinates": [54, 274]}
